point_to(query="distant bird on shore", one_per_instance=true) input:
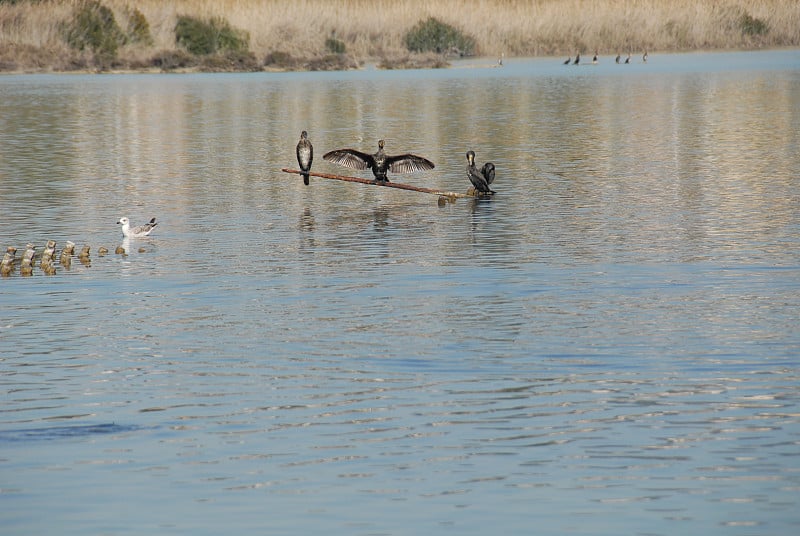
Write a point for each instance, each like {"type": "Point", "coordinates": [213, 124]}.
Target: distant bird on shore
{"type": "Point", "coordinates": [305, 155]}
{"type": "Point", "coordinates": [617, 58]}
{"type": "Point", "coordinates": [380, 162]}
{"type": "Point", "coordinates": [628, 59]}
{"type": "Point", "coordinates": [569, 59]}
{"type": "Point", "coordinates": [644, 57]}
{"type": "Point", "coordinates": [480, 179]}
{"type": "Point", "coordinates": [136, 232]}
{"type": "Point", "coordinates": [594, 59]}
{"type": "Point", "coordinates": [500, 59]}
{"type": "Point", "coordinates": [577, 59]}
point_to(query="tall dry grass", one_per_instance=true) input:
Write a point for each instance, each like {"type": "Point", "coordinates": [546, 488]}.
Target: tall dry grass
{"type": "Point", "coordinates": [372, 29]}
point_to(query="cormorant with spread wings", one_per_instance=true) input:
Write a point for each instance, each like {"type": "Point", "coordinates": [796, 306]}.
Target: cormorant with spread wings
{"type": "Point", "coordinates": [380, 162]}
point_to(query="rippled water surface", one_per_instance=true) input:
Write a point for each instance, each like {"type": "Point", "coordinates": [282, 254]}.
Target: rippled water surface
{"type": "Point", "coordinates": [609, 346]}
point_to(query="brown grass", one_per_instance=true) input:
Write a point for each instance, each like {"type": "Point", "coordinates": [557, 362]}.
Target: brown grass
{"type": "Point", "coordinates": [373, 30]}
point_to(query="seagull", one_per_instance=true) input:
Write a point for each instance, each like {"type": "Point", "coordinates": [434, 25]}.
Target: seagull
{"type": "Point", "coordinates": [136, 232]}
{"type": "Point", "coordinates": [380, 162]}
{"type": "Point", "coordinates": [305, 155]}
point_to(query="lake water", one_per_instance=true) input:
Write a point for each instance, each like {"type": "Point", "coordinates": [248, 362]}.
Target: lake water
{"type": "Point", "coordinates": [610, 345]}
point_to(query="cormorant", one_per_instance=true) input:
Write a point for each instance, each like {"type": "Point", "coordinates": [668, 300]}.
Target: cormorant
{"type": "Point", "coordinates": [628, 59]}
{"type": "Point", "coordinates": [644, 58]}
{"type": "Point", "coordinates": [480, 179]}
{"type": "Point", "coordinates": [577, 59]}
{"type": "Point", "coordinates": [566, 62]}
{"type": "Point", "coordinates": [617, 58]}
{"type": "Point", "coordinates": [305, 155]}
{"type": "Point", "coordinates": [380, 162]}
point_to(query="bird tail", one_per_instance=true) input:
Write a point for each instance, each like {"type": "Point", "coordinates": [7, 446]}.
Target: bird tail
{"type": "Point", "coordinates": [305, 178]}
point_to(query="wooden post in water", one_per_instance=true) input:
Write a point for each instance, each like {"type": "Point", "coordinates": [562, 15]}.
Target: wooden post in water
{"type": "Point", "coordinates": [452, 196]}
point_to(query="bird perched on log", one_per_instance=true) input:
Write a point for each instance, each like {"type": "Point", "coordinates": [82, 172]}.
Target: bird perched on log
{"type": "Point", "coordinates": [305, 155]}
{"type": "Point", "coordinates": [480, 179]}
{"type": "Point", "coordinates": [380, 162]}
{"type": "Point", "coordinates": [136, 232]}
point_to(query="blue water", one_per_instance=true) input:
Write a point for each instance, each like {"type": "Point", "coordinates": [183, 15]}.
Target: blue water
{"type": "Point", "coordinates": [610, 345]}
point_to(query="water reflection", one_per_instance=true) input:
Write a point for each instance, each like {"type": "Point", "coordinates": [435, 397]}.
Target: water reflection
{"type": "Point", "coordinates": [615, 328]}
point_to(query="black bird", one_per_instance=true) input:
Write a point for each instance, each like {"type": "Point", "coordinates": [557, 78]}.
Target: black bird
{"type": "Point", "coordinates": [488, 172]}
{"type": "Point", "coordinates": [628, 59]}
{"type": "Point", "coordinates": [566, 62]}
{"type": "Point", "coordinates": [380, 162]}
{"type": "Point", "coordinates": [305, 155]}
{"type": "Point", "coordinates": [617, 58]}
{"type": "Point", "coordinates": [480, 179]}
{"type": "Point", "coordinates": [594, 59]}
{"type": "Point", "coordinates": [577, 59]}
{"type": "Point", "coordinates": [644, 58]}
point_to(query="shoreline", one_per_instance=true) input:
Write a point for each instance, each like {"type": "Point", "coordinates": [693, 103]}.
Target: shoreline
{"type": "Point", "coordinates": [473, 62]}
{"type": "Point", "coordinates": [87, 36]}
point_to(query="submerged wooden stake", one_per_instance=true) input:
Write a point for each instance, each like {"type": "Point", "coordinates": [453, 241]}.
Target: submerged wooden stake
{"type": "Point", "coordinates": [451, 195]}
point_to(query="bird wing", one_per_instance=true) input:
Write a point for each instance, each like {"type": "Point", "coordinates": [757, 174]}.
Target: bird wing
{"type": "Point", "coordinates": [349, 158]}
{"type": "Point", "coordinates": [144, 229]}
{"type": "Point", "coordinates": [488, 172]}
{"type": "Point", "coordinates": [408, 163]}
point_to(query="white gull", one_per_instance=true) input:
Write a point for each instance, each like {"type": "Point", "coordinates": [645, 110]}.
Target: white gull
{"type": "Point", "coordinates": [136, 232]}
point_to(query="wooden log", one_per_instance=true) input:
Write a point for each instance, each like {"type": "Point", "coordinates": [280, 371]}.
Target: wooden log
{"type": "Point", "coordinates": [450, 195]}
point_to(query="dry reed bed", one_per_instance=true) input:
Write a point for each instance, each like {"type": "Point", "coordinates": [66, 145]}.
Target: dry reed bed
{"type": "Point", "coordinates": [374, 29]}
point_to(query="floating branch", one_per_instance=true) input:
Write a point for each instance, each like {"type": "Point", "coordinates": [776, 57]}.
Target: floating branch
{"type": "Point", "coordinates": [449, 195]}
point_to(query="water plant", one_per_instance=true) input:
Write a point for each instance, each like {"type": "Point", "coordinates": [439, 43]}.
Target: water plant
{"type": "Point", "coordinates": [203, 37]}
{"type": "Point", "coordinates": [433, 35]}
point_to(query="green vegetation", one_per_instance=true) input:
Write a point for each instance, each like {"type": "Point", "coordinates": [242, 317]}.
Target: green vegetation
{"type": "Point", "coordinates": [204, 37]}
{"type": "Point", "coordinates": [752, 26]}
{"type": "Point", "coordinates": [65, 35]}
{"type": "Point", "coordinates": [139, 28]}
{"type": "Point", "coordinates": [94, 27]}
{"type": "Point", "coordinates": [432, 35]}
{"type": "Point", "coordinates": [334, 46]}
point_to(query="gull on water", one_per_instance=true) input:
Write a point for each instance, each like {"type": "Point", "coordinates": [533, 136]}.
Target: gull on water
{"type": "Point", "coordinates": [136, 232]}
